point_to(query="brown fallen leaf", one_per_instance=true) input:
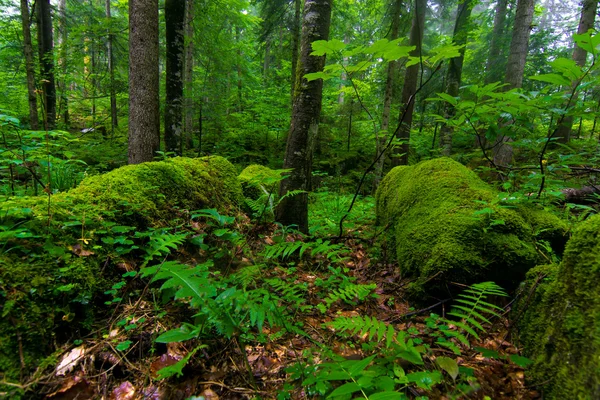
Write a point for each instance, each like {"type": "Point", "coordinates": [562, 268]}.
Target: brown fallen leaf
{"type": "Point", "coordinates": [163, 361]}
{"type": "Point", "coordinates": [73, 388]}
{"type": "Point", "coordinates": [78, 250]}
{"type": "Point", "coordinates": [125, 391]}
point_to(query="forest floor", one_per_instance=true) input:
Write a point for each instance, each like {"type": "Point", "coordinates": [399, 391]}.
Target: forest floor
{"type": "Point", "coordinates": [281, 365]}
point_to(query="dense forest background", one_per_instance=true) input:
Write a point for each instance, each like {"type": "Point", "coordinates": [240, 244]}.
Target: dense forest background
{"type": "Point", "coordinates": [286, 199]}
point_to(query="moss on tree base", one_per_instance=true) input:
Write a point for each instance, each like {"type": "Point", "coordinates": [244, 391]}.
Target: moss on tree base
{"type": "Point", "coordinates": [447, 225]}
{"type": "Point", "coordinates": [560, 319]}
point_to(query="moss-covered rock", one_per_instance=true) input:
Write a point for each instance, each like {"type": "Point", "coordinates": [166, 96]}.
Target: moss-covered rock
{"type": "Point", "coordinates": [559, 324]}
{"type": "Point", "coordinates": [59, 258]}
{"type": "Point", "coordinates": [447, 225]}
{"type": "Point", "coordinates": [258, 180]}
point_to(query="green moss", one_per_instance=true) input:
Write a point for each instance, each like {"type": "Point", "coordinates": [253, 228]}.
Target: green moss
{"type": "Point", "coordinates": [560, 329]}
{"type": "Point", "coordinates": [447, 225]}
{"type": "Point", "coordinates": [258, 179]}
{"type": "Point", "coordinates": [46, 289]}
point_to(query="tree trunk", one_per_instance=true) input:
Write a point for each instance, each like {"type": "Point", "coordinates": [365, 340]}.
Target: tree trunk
{"type": "Point", "coordinates": [387, 97]}
{"type": "Point", "coordinates": [411, 79]}
{"type": "Point", "coordinates": [28, 53]}
{"type": "Point", "coordinates": [515, 67]}
{"type": "Point", "coordinates": [267, 59]}
{"type": "Point", "coordinates": [46, 46]}
{"type": "Point", "coordinates": [188, 110]}
{"type": "Point", "coordinates": [586, 22]}
{"type": "Point", "coordinates": [174, 19]}
{"type": "Point", "coordinates": [295, 45]}
{"type": "Point", "coordinates": [454, 73]}
{"type": "Point", "coordinates": [114, 122]}
{"type": "Point", "coordinates": [305, 117]}
{"type": "Point", "coordinates": [240, 106]}
{"type": "Point", "coordinates": [144, 122]}
{"type": "Point", "coordinates": [63, 106]}
{"type": "Point", "coordinates": [493, 68]}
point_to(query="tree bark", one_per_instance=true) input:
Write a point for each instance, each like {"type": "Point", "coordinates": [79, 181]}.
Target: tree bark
{"type": "Point", "coordinates": [411, 79]}
{"type": "Point", "coordinates": [305, 117]}
{"type": "Point", "coordinates": [46, 49]}
{"type": "Point", "coordinates": [295, 45]}
{"type": "Point", "coordinates": [29, 69]}
{"type": "Point", "coordinates": [63, 107]}
{"type": "Point", "coordinates": [387, 97]}
{"type": "Point", "coordinates": [454, 73]}
{"type": "Point", "coordinates": [495, 59]}
{"type": "Point", "coordinates": [144, 122]}
{"type": "Point", "coordinates": [515, 67]}
{"type": "Point", "coordinates": [586, 22]}
{"type": "Point", "coordinates": [188, 83]}
{"type": "Point", "coordinates": [114, 122]}
{"type": "Point", "coordinates": [174, 18]}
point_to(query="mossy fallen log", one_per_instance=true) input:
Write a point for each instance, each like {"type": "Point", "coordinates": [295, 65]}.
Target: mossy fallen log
{"type": "Point", "coordinates": [258, 180]}
{"type": "Point", "coordinates": [58, 255]}
{"type": "Point", "coordinates": [558, 316]}
{"type": "Point", "coordinates": [444, 224]}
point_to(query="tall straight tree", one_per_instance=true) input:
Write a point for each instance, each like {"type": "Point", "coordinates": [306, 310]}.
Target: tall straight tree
{"type": "Point", "coordinates": [46, 49]}
{"type": "Point", "coordinates": [63, 105]}
{"type": "Point", "coordinates": [455, 67]}
{"type": "Point", "coordinates": [29, 69]}
{"type": "Point", "coordinates": [306, 113]}
{"type": "Point", "coordinates": [174, 18]}
{"type": "Point", "coordinates": [188, 74]}
{"type": "Point", "coordinates": [114, 122]}
{"type": "Point", "coordinates": [586, 22]}
{"type": "Point", "coordinates": [515, 67]}
{"type": "Point", "coordinates": [495, 58]}
{"type": "Point", "coordinates": [411, 78]}
{"type": "Point", "coordinates": [395, 10]}
{"type": "Point", "coordinates": [144, 122]}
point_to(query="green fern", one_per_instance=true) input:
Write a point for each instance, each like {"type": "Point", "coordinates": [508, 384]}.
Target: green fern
{"type": "Point", "coordinates": [350, 293]}
{"type": "Point", "coordinates": [284, 250]}
{"type": "Point", "coordinates": [473, 310]}
{"type": "Point", "coordinates": [160, 243]}
{"type": "Point", "coordinates": [289, 292]}
{"type": "Point", "coordinates": [248, 275]}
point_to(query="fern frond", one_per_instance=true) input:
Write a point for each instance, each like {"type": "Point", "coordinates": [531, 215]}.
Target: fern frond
{"type": "Point", "coordinates": [361, 326]}
{"type": "Point", "coordinates": [283, 250]}
{"type": "Point", "coordinates": [350, 293]}
{"type": "Point", "coordinates": [473, 310]}
{"type": "Point", "coordinates": [247, 275]}
{"type": "Point", "coordinates": [191, 282]}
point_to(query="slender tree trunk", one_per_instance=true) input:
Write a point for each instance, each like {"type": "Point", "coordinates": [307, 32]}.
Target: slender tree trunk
{"type": "Point", "coordinates": [495, 59]}
{"type": "Point", "coordinates": [240, 105]}
{"type": "Point", "coordinates": [411, 79]}
{"type": "Point", "coordinates": [188, 111]}
{"type": "Point", "coordinates": [144, 122]}
{"type": "Point", "coordinates": [382, 137]}
{"type": "Point", "coordinates": [586, 22]}
{"type": "Point", "coordinates": [114, 122]}
{"type": "Point", "coordinates": [174, 18]}
{"type": "Point", "coordinates": [515, 67]}
{"type": "Point", "coordinates": [46, 46]}
{"type": "Point", "coordinates": [305, 117]}
{"type": "Point", "coordinates": [63, 107]}
{"type": "Point", "coordinates": [295, 45]}
{"type": "Point", "coordinates": [29, 69]}
{"type": "Point", "coordinates": [454, 73]}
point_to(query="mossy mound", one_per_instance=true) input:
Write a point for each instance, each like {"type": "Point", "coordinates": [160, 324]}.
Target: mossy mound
{"type": "Point", "coordinates": [258, 180]}
{"type": "Point", "coordinates": [60, 256]}
{"type": "Point", "coordinates": [447, 225]}
{"type": "Point", "coordinates": [560, 328]}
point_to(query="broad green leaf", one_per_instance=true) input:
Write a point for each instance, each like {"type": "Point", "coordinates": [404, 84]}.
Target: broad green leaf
{"type": "Point", "coordinates": [318, 75]}
{"type": "Point", "coordinates": [322, 47]}
{"type": "Point", "coordinates": [425, 379]}
{"type": "Point", "coordinates": [449, 365]}
{"type": "Point", "coordinates": [521, 361]}
{"type": "Point", "coordinates": [183, 333]}
{"type": "Point", "coordinates": [346, 388]}
{"type": "Point", "coordinates": [587, 41]}
{"type": "Point", "coordinates": [123, 345]}
{"type": "Point", "coordinates": [387, 396]}
{"type": "Point", "coordinates": [552, 78]}
{"type": "Point", "coordinates": [359, 366]}
{"type": "Point", "coordinates": [448, 98]}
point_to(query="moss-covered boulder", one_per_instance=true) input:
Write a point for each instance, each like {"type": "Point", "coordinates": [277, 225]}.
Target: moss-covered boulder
{"type": "Point", "coordinates": [58, 256]}
{"type": "Point", "coordinates": [559, 319]}
{"type": "Point", "coordinates": [444, 224]}
{"type": "Point", "coordinates": [258, 180]}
